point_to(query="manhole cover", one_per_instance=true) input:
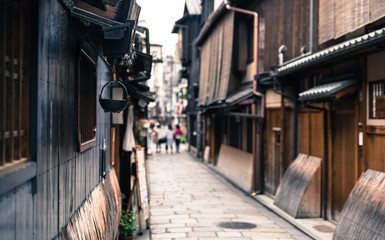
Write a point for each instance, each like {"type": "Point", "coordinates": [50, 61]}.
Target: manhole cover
{"type": "Point", "coordinates": [323, 228]}
{"type": "Point", "coordinates": [237, 225]}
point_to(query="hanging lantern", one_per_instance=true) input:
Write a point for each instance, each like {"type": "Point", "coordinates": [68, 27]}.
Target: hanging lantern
{"type": "Point", "coordinates": [113, 104]}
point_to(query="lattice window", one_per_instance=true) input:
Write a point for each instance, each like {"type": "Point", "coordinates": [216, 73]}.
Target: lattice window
{"type": "Point", "coordinates": [86, 102]}
{"type": "Point", "coordinates": [377, 99]}
{"type": "Point", "coordinates": [14, 80]}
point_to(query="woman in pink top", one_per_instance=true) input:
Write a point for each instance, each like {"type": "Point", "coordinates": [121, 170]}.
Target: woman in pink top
{"type": "Point", "coordinates": [177, 136]}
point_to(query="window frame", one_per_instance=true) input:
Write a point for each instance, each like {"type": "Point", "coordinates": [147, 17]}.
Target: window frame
{"type": "Point", "coordinates": [369, 120]}
{"type": "Point", "coordinates": [15, 54]}
{"type": "Point", "coordinates": [379, 88]}
{"type": "Point", "coordinates": [86, 97]}
{"type": "Point", "coordinates": [19, 171]}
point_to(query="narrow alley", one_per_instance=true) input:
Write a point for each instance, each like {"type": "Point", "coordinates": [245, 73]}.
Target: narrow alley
{"type": "Point", "coordinates": [188, 200]}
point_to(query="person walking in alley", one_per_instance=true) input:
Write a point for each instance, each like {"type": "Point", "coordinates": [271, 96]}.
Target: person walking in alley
{"type": "Point", "coordinates": [170, 138]}
{"type": "Point", "coordinates": [177, 135]}
{"type": "Point", "coordinates": [155, 138]}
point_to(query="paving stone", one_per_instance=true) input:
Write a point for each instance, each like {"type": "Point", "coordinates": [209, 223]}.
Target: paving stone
{"type": "Point", "coordinates": [184, 220]}
{"type": "Point", "coordinates": [188, 201]}
{"type": "Point", "coordinates": [168, 235]}
{"type": "Point", "coordinates": [169, 225]}
{"type": "Point", "coordinates": [178, 230]}
{"type": "Point", "coordinates": [207, 229]}
{"type": "Point", "coordinates": [229, 234]}
{"type": "Point", "coordinates": [158, 230]}
{"type": "Point", "coordinates": [202, 234]}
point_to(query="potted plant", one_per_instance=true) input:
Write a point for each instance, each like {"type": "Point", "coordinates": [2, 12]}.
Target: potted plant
{"type": "Point", "coordinates": [127, 225]}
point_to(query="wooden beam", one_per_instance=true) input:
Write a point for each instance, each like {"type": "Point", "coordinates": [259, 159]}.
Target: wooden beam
{"type": "Point", "coordinates": [12, 107]}
{"type": "Point", "coordinates": [3, 91]}
{"type": "Point", "coordinates": [20, 89]}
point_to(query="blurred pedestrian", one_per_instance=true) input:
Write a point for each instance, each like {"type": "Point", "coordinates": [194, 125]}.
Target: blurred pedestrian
{"type": "Point", "coordinates": [177, 136]}
{"type": "Point", "coordinates": [155, 139]}
{"type": "Point", "coordinates": [170, 138]}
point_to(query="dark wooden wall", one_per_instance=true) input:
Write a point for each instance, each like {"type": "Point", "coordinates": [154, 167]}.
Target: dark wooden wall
{"type": "Point", "coordinates": [284, 23]}
{"type": "Point", "coordinates": [65, 177]}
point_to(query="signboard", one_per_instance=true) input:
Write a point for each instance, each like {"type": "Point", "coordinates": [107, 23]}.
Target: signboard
{"type": "Point", "coordinates": [142, 189]}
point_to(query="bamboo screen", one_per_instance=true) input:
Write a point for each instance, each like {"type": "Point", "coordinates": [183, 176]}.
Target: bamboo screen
{"type": "Point", "coordinates": [216, 61]}
{"type": "Point", "coordinates": [14, 81]}
{"type": "Point", "coordinates": [340, 17]}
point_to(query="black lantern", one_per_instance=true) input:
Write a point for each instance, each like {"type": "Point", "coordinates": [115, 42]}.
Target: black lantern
{"type": "Point", "coordinates": [114, 105]}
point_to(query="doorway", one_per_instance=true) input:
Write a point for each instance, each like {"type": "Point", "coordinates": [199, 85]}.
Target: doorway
{"type": "Point", "coordinates": [344, 153]}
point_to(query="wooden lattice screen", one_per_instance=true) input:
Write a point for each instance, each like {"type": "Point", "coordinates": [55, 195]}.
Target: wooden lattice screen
{"type": "Point", "coordinates": [14, 80]}
{"type": "Point", "coordinates": [86, 102]}
{"type": "Point", "coordinates": [377, 99]}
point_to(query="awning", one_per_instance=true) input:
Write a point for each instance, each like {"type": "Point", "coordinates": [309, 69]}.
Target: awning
{"type": "Point", "coordinates": [116, 30]}
{"type": "Point", "coordinates": [136, 93]}
{"type": "Point", "coordinates": [104, 12]}
{"type": "Point", "coordinates": [240, 96]}
{"type": "Point", "coordinates": [347, 47]}
{"type": "Point", "coordinates": [329, 90]}
{"type": "Point", "coordinates": [92, 18]}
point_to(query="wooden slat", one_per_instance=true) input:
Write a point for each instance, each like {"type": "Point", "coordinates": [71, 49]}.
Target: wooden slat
{"type": "Point", "coordinates": [237, 165]}
{"type": "Point", "coordinates": [364, 211]}
{"type": "Point", "coordinates": [24, 219]}
{"type": "Point", "coordinates": [294, 186]}
{"type": "Point", "coordinates": [326, 20]}
{"type": "Point", "coordinates": [377, 10]}
{"type": "Point", "coordinates": [3, 83]}
{"type": "Point", "coordinates": [20, 90]}
{"type": "Point", "coordinates": [13, 98]}
{"type": "Point", "coordinates": [8, 216]}
{"type": "Point", "coordinates": [204, 73]}
{"type": "Point", "coordinates": [344, 155]}
{"type": "Point", "coordinates": [25, 79]}
{"type": "Point", "coordinates": [226, 65]}
{"type": "Point", "coordinates": [98, 217]}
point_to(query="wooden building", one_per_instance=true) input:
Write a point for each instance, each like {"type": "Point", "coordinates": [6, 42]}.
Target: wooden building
{"type": "Point", "coordinates": [55, 139]}
{"type": "Point", "coordinates": [243, 107]}
{"type": "Point", "coordinates": [317, 94]}
{"type": "Point", "coordinates": [188, 28]}
{"type": "Point", "coordinates": [284, 34]}
{"type": "Point", "coordinates": [338, 89]}
{"type": "Point", "coordinates": [229, 107]}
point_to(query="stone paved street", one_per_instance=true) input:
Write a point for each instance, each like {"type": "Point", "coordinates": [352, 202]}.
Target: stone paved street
{"type": "Point", "coordinates": [189, 201]}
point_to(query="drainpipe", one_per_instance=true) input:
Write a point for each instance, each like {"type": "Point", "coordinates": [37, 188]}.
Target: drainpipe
{"type": "Point", "coordinates": [255, 54]}
{"type": "Point", "coordinates": [326, 158]}
{"type": "Point", "coordinates": [311, 26]}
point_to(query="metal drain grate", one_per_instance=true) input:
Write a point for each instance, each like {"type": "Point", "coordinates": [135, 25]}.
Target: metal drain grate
{"type": "Point", "coordinates": [323, 228]}
{"type": "Point", "coordinates": [237, 225]}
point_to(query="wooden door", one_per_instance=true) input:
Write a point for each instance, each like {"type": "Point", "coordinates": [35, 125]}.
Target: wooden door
{"type": "Point", "coordinates": [273, 151]}
{"type": "Point", "coordinates": [344, 154]}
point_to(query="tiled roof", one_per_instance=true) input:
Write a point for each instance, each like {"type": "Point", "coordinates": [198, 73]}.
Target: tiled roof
{"type": "Point", "coordinates": [239, 95]}
{"type": "Point", "coordinates": [348, 46]}
{"type": "Point", "coordinates": [326, 90]}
